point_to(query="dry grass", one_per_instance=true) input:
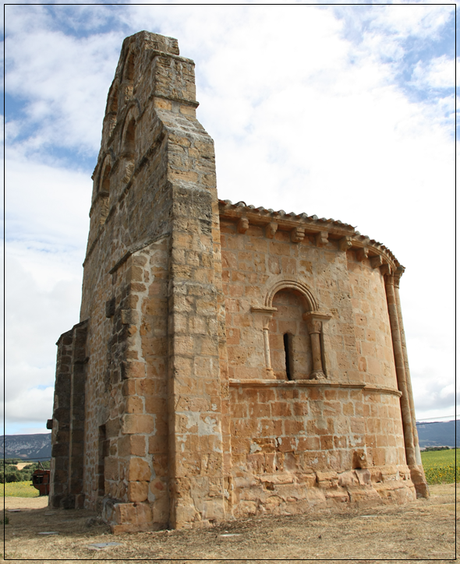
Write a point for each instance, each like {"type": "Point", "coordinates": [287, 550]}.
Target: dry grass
{"type": "Point", "coordinates": [423, 529]}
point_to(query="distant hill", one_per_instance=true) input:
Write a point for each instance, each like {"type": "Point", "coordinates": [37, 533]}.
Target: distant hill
{"type": "Point", "coordinates": [28, 447]}
{"type": "Point", "coordinates": [34, 447]}
{"type": "Point", "coordinates": [437, 434]}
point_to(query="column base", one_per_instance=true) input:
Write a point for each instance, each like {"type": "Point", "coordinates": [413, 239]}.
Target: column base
{"type": "Point", "coordinates": [417, 476]}
{"type": "Point", "coordinates": [317, 375]}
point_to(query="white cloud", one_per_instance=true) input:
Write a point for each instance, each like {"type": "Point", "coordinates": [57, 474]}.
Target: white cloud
{"type": "Point", "coordinates": [417, 20]}
{"type": "Point", "coordinates": [65, 86]}
{"type": "Point", "coordinates": [35, 317]}
{"type": "Point", "coordinates": [308, 113]}
{"type": "Point", "coordinates": [46, 206]}
{"type": "Point", "coordinates": [31, 406]}
{"type": "Point", "coordinates": [42, 301]}
{"type": "Point", "coordinates": [436, 73]}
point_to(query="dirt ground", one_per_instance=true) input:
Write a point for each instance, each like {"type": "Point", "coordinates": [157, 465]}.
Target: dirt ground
{"type": "Point", "coordinates": [421, 530]}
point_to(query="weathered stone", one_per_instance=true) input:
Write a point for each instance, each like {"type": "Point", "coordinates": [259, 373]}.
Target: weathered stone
{"type": "Point", "coordinates": [231, 361]}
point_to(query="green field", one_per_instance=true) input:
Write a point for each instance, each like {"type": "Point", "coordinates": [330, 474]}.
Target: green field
{"type": "Point", "coordinates": [439, 469]}
{"type": "Point", "coordinates": [439, 466]}
{"type": "Point", "coordinates": [20, 489]}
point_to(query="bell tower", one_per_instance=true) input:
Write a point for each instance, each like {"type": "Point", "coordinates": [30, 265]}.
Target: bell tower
{"type": "Point", "coordinates": [152, 301]}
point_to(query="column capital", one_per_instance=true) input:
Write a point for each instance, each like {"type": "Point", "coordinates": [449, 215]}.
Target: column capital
{"type": "Point", "coordinates": [267, 312]}
{"type": "Point", "coordinates": [314, 320]}
{"type": "Point", "coordinates": [397, 275]}
{"type": "Point", "coordinates": [386, 269]}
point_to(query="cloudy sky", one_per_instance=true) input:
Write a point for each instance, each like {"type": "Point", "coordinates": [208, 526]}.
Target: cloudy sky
{"type": "Point", "coordinates": [346, 112]}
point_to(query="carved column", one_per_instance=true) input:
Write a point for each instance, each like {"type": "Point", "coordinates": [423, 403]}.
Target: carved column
{"type": "Point", "coordinates": [268, 314]}
{"type": "Point", "coordinates": [315, 321]}
{"type": "Point", "coordinates": [408, 416]}
{"type": "Point", "coordinates": [418, 475]}
{"type": "Point", "coordinates": [400, 369]}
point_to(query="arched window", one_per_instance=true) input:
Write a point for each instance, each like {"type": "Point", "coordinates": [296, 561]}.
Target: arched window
{"type": "Point", "coordinates": [288, 341]}
{"type": "Point", "coordinates": [290, 346]}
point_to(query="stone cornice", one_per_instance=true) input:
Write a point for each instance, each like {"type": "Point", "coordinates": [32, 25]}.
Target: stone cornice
{"type": "Point", "coordinates": [345, 236]}
{"type": "Point", "coordinates": [382, 390]}
{"type": "Point", "coordinates": [271, 383]}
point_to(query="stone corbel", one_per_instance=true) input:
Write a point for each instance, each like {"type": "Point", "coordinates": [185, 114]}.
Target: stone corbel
{"type": "Point", "coordinates": [345, 243]}
{"type": "Point", "coordinates": [362, 254]}
{"type": "Point", "coordinates": [271, 229]}
{"type": "Point", "coordinates": [297, 235]}
{"type": "Point", "coordinates": [267, 312]}
{"type": "Point", "coordinates": [315, 320]}
{"type": "Point", "coordinates": [243, 225]}
{"type": "Point", "coordinates": [321, 238]}
{"type": "Point", "coordinates": [386, 269]}
{"type": "Point", "coordinates": [377, 261]}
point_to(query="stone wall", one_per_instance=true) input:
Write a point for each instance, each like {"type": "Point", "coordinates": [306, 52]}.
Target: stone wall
{"type": "Point", "coordinates": [67, 488]}
{"type": "Point", "coordinates": [152, 297]}
{"type": "Point", "coordinates": [297, 439]}
{"type": "Point", "coordinates": [229, 360]}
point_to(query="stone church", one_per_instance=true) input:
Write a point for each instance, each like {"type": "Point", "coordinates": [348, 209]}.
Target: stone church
{"type": "Point", "coordinates": [231, 360]}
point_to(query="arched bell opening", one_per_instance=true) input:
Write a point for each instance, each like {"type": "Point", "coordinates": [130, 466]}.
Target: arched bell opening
{"type": "Point", "coordinates": [111, 111]}
{"type": "Point", "coordinates": [101, 205]}
{"type": "Point", "coordinates": [128, 146]}
{"type": "Point", "coordinates": [128, 79]}
{"type": "Point", "coordinates": [105, 182]}
{"type": "Point", "coordinates": [128, 74]}
{"type": "Point", "coordinates": [129, 139]}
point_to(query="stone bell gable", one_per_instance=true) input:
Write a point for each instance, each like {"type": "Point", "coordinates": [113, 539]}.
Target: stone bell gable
{"type": "Point", "coordinates": [230, 360]}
